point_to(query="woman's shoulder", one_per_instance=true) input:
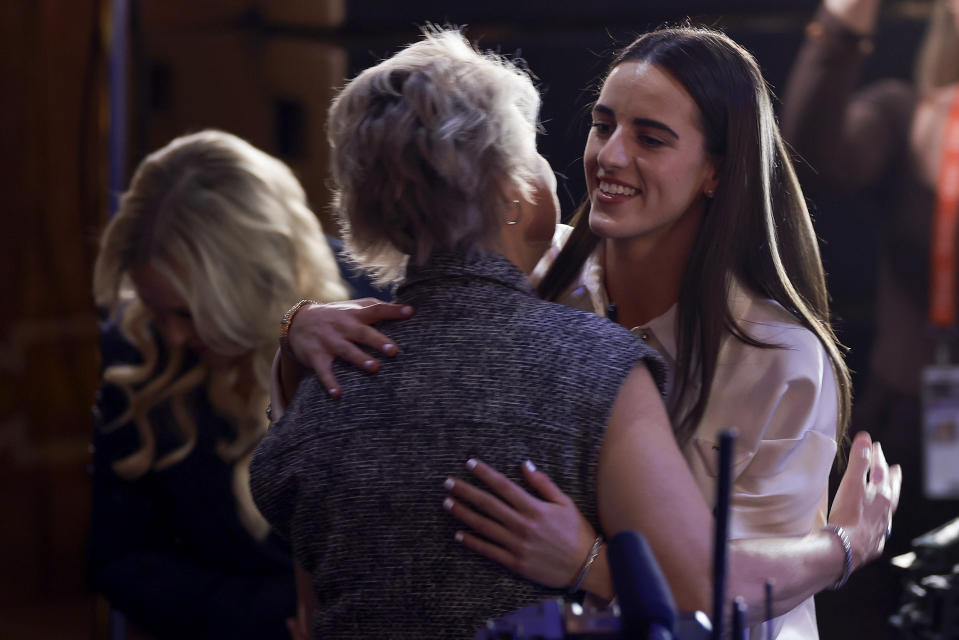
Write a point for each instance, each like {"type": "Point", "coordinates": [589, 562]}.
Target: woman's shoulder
{"type": "Point", "coordinates": [781, 392]}
{"type": "Point", "coordinates": [589, 341]}
{"type": "Point", "coordinates": [569, 323]}
{"type": "Point", "coordinates": [794, 370]}
{"type": "Point", "coordinates": [767, 321]}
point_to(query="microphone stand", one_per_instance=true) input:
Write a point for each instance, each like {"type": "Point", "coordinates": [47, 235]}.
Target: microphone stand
{"type": "Point", "coordinates": [721, 539]}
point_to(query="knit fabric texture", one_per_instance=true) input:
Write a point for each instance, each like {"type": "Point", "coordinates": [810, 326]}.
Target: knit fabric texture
{"type": "Point", "coordinates": [486, 370]}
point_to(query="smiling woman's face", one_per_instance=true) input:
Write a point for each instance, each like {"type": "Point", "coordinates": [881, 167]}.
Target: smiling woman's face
{"type": "Point", "coordinates": [645, 160]}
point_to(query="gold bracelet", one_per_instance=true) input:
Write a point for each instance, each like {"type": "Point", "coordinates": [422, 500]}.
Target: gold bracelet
{"type": "Point", "coordinates": [287, 321]}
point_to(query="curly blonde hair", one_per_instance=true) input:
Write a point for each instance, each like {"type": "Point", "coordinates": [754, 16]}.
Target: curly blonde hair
{"type": "Point", "coordinates": [229, 228]}
{"type": "Point", "coordinates": [424, 146]}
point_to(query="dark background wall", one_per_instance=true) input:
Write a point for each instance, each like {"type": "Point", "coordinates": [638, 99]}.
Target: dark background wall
{"type": "Point", "coordinates": [264, 69]}
{"type": "Point", "coordinates": [192, 63]}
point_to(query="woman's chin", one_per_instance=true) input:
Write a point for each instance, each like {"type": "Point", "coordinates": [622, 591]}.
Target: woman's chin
{"type": "Point", "coordinates": [601, 224]}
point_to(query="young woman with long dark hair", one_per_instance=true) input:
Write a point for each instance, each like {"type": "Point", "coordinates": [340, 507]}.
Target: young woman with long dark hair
{"type": "Point", "coordinates": [695, 237]}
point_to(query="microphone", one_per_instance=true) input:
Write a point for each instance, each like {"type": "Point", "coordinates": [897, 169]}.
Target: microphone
{"type": "Point", "coordinates": [740, 630]}
{"type": "Point", "coordinates": [645, 601]}
{"type": "Point", "coordinates": [557, 619]}
{"type": "Point", "coordinates": [770, 583]}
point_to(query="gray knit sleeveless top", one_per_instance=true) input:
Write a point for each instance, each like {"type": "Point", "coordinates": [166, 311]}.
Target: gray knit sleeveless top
{"type": "Point", "coordinates": [486, 370]}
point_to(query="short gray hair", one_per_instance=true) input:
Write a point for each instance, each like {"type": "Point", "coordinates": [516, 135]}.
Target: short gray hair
{"type": "Point", "coordinates": [424, 145]}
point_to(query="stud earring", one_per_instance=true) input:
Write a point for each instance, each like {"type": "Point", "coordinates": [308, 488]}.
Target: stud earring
{"type": "Point", "coordinates": [710, 194]}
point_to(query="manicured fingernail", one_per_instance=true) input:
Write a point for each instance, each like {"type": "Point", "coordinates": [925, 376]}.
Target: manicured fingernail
{"type": "Point", "coordinates": [448, 504]}
{"type": "Point", "coordinates": [388, 347]}
{"type": "Point", "coordinates": [334, 391]}
{"type": "Point", "coordinates": [471, 464]}
{"type": "Point", "coordinates": [407, 310]}
{"type": "Point", "coordinates": [368, 364]}
{"type": "Point", "coordinates": [448, 483]}
{"type": "Point", "coordinates": [458, 536]}
{"type": "Point", "coordinates": [529, 465]}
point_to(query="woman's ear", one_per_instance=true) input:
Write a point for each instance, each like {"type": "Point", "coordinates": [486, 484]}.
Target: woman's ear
{"type": "Point", "coordinates": [711, 182]}
{"type": "Point", "coordinates": [510, 199]}
{"type": "Point", "coordinates": [515, 213]}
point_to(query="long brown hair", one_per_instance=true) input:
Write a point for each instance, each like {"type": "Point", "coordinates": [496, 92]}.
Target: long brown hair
{"type": "Point", "coordinates": [757, 228]}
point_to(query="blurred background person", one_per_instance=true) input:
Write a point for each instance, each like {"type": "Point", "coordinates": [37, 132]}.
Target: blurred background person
{"type": "Point", "coordinates": [887, 143]}
{"type": "Point", "coordinates": [213, 240]}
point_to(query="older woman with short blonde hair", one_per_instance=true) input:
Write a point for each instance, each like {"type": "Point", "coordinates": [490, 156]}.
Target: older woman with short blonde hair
{"type": "Point", "coordinates": [435, 166]}
{"type": "Point", "coordinates": [453, 132]}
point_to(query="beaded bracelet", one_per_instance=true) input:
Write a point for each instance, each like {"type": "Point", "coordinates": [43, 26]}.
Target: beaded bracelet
{"type": "Point", "coordinates": [287, 321]}
{"type": "Point", "coordinates": [593, 553]}
{"type": "Point", "coordinates": [847, 553]}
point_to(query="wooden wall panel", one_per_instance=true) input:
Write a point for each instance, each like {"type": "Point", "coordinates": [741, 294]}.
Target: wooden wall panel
{"type": "Point", "coordinates": [52, 83]}
{"type": "Point", "coordinates": [272, 91]}
{"type": "Point", "coordinates": [298, 79]}
{"type": "Point", "coordinates": [325, 14]}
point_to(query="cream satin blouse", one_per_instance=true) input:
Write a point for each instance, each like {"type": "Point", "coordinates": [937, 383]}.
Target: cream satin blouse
{"type": "Point", "coordinates": [783, 404]}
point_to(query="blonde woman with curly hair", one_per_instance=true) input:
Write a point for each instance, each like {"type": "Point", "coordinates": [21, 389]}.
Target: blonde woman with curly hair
{"type": "Point", "coordinates": [212, 242]}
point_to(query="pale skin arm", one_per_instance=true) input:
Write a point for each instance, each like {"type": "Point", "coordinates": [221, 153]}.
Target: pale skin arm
{"type": "Point", "coordinates": [859, 15]}
{"type": "Point", "coordinates": [641, 472]}
{"type": "Point", "coordinates": [864, 505]}
{"type": "Point", "coordinates": [320, 333]}
{"type": "Point", "coordinates": [535, 537]}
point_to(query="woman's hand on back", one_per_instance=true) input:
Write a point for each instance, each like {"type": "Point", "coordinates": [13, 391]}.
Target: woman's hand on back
{"type": "Point", "coordinates": [545, 540]}
{"type": "Point", "coordinates": [321, 333]}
